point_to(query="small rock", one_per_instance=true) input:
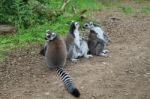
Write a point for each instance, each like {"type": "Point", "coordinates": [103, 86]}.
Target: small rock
{"type": "Point", "coordinates": [82, 87]}
{"type": "Point", "coordinates": [126, 94]}
{"type": "Point", "coordinates": [19, 58]}
{"type": "Point", "coordinates": [47, 93]}
{"type": "Point", "coordinates": [32, 52]}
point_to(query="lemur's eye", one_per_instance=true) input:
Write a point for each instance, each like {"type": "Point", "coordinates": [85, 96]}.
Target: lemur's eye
{"type": "Point", "coordinates": [85, 25]}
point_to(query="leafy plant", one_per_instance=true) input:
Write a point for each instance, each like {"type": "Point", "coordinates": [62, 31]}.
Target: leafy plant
{"type": "Point", "coordinates": [32, 25]}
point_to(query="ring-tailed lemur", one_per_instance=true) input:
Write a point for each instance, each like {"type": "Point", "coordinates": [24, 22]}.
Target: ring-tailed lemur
{"type": "Point", "coordinates": [76, 46]}
{"type": "Point", "coordinates": [55, 55]}
{"type": "Point", "coordinates": [97, 39]}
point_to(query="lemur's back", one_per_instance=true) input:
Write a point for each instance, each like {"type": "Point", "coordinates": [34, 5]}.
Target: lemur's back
{"type": "Point", "coordinates": [95, 44]}
{"type": "Point", "coordinates": [56, 53]}
{"type": "Point", "coordinates": [69, 40]}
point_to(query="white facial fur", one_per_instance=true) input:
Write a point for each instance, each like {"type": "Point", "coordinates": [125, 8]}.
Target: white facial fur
{"type": "Point", "coordinates": [89, 25]}
{"type": "Point", "coordinates": [77, 25]}
{"type": "Point", "coordinates": [50, 36]}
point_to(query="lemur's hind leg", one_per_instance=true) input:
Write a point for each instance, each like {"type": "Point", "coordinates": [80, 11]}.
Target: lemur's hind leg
{"type": "Point", "coordinates": [71, 53]}
{"type": "Point", "coordinates": [85, 49]}
{"type": "Point", "coordinates": [99, 50]}
{"type": "Point", "coordinates": [88, 56]}
{"type": "Point", "coordinates": [75, 54]}
{"type": "Point", "coordinates": [105, 51]}
{"type": "Point", "coordinates": [103, 54]}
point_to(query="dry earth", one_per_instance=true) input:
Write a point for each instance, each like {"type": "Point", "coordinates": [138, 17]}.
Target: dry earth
{"type": "Point", "coordinates": [124, 74]}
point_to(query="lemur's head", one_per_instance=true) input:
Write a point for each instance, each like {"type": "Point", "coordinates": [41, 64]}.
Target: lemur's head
{"type": "Point", "coordinates": [88, 25]}
{"type": "Point", "coordinates": [49, 36]}
{"type": "Point", "coordinates": [74, 26]}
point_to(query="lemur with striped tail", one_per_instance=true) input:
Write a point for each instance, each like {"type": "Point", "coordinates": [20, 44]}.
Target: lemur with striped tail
{"type": "Point", "coordinates": [55, 55]}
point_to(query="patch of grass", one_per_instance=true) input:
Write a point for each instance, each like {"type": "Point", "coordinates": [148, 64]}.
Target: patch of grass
{"type": "Point", "coordinates": [86, 4]}
{"type": "Point", "coordinates": [139, 1]}
{"type": "Point", "coordinates": [36, 33]}
{"type": "Point", "coordinates": [110, 3]}
{"type": "Point", "coordinates": [146, 9]}
{"type": "Point", "coordinates": [126, 8]}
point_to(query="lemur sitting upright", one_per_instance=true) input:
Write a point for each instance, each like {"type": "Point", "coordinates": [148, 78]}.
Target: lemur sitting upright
{"type": "Point", "coordinates": [97, 39]}
{"type": "Point", "coordinates": [76, 45]}
{"type": "Point", "coordinates": [55, 54]}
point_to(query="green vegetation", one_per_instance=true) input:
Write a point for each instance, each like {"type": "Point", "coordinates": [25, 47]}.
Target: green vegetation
{"type": "Point", "coordinates": [31, 26]}
{"type": "Point", "coordinates": [146, 9]}
{"type": "Point", "coordinates": [126, 8]}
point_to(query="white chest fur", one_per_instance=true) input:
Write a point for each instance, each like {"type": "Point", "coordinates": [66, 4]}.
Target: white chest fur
{"type": "Point", "coordinates": [77, 37]}
{"type": "Point", "coordinates": [100, 32]}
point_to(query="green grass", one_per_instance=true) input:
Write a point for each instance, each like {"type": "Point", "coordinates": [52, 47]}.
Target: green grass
{"type": "Point", "coordinates": [126, 8]}
{"type": "Point", "coordinates": [139, 1]}
{"type": "Point", "coordinates": [80, 4]}
{"type": "Point", "coordinates": [86, 4]}
{"type": "Point", "coordinates": [36, 33]}
{"type": "Point", "coordinates": [145, 9]}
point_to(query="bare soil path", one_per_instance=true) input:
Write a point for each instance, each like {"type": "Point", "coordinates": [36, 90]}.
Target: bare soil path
{"type": "Point", "coordinates": [125, 74]}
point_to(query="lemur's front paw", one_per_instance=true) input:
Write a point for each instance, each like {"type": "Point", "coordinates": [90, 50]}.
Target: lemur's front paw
{"type": "Point", "coordinates": [88, 56]}
{"type": "Point", "coordinates": [74, 60]}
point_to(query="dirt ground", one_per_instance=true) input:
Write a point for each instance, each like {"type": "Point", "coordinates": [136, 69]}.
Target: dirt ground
{"type": "Point", "coordinates": [124, 74]}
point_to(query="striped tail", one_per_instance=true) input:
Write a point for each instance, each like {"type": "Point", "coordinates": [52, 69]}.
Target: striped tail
{"type": "Point", "coordinates": [70, 86]}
